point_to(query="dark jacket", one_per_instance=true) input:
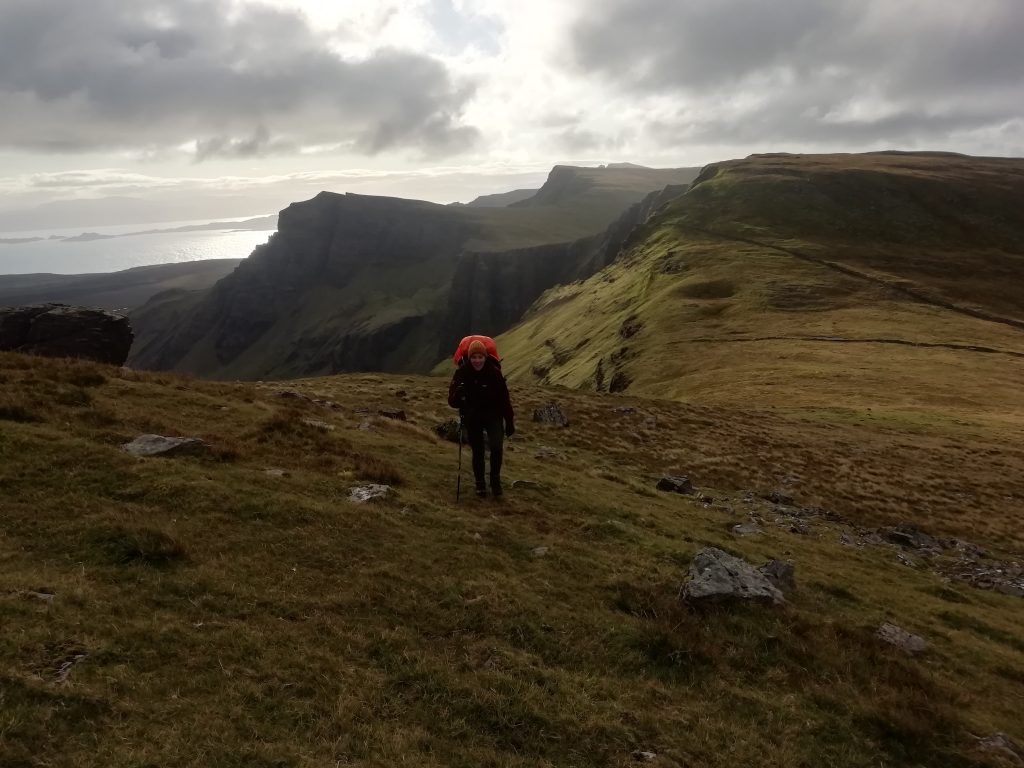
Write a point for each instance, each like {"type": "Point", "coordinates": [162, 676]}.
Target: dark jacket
{"type": "Point", "coordinates": [481, 394]}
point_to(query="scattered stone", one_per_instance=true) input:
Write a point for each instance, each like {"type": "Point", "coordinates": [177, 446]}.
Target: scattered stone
{"type": "Point", "coordinates": [777, 497]}
{"type": "Point", "coordinates": [540, 551]}
{"type": "Point", "coordinates": [448, 430]}
{"type": "Point", "coordinates": [675, 484]}
{"type": "Point", "coordinates": [275, 472]}
{"type": "Point", "coordinates": [532, 485]}
{"type": "Point", "coordinates": [323, 426]}
{"type": "Point", "coordinates": [401, 394]}
{"type": "Point", "coordinates": [793, 525]}
{"type": "Point", "coordinates": [396, 415]}
{"type": "Point", "coordinates": [366, 425]}
{"type": "Point", "coordinates": [64, 671]}
{"type": "Point", "coordinates": [966, 549]}
{"type": "Point", "coordinates": [906, 560]}
{"type": "Point", "coordinates": [626, 410]}
{"type": "Point", "coordinates": [546, 453]}
{"type": "Point", "coordinates": [846, 540]}
{"type": "Point", "coordinates": [781, 573]}
{"type": "Point", "coordinates": [705, 499]}
{"type": "Point", "coordinates": [57, 330]}
{"type": "Point", "coordinates": [747, 529]}
{"type": "Point", "coordinates": [644, 757]}
{"type": "Point", "coordinates": [551, 414]}
{"type": "Point", "coordinates": [716, 576]}
{"type": "Point", "coordinates": [364, 493]}
{"type": "Point", "coordinates": [46, 597]}
{"type": "Point", "coordinates": [1003, 577]}
{"type": "Point", "coordinates": [158, 445]}
{"type": "Point", "coordinates": [1003, 745]}
{"type": "Point", "coordinates": [900, 638]}
{"type": "Point", "coordinates": [291, 394]}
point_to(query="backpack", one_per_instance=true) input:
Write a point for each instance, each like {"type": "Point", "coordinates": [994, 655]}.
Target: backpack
{"type": "Point", "coordinates": [463, 349]}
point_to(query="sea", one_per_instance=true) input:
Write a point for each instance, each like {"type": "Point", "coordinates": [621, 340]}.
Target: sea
{"type": "Point", "coordinates": [124, 250]}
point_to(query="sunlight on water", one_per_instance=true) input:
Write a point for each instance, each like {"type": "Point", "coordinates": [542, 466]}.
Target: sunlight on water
{"type": "Point", "coordinates": [126, 252]}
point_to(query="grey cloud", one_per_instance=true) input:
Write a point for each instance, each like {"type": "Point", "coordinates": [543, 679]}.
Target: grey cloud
{"type": "Point", "coordinates": [858, 71]}
{"type": "Point", "coordinates": [230, 80]}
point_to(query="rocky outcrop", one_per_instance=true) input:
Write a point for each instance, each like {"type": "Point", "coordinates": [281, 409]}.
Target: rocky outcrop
{"type": "Point", "coordinates": [57, 330]}
{"type": "Point", "coordinates": [148, 446]}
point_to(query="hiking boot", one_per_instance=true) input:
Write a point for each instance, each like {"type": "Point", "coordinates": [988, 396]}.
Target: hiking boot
{"type": "Point", "coordinates": [481, 490]}
{"type": "Point", "coordinates": [496, 486]}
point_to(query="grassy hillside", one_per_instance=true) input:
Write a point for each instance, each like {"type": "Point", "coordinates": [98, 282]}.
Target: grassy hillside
{"type": "Point", "coordinates": [236, 609]}
{"type": "Point", "coordinates": [881, 286]}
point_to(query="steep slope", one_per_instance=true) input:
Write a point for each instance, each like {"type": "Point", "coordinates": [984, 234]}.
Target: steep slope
{"type": "Point", "coordinates": [236, 609]}
{"type": "Point", "coordinates": [501, 199]}
{"type": "Point", "coordinates": [351, 282]}
{"type": "Point", "coordinates": [842, 281]}
{"type": "Point", "coordinates": [124, 290]}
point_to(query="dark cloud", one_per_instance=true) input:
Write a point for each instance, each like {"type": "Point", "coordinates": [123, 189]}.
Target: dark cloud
{"type": "Point", "coordinates": [817, 70]}
{"type": "Point", "coordinates": [229, 80]}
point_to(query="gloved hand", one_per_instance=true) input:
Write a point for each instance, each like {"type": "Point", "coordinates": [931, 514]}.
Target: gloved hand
{"type": "Point", "coordinates": [510, 429]}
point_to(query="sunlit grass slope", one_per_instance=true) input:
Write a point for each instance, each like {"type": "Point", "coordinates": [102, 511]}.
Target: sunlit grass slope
{"type": "Point", "coordinates": [886, 282]}
{"type": "Point", "coordinates": [208, 613]}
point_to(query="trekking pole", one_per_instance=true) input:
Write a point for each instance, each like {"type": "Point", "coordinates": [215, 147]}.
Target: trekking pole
{"type": "Point", "coordinates": [458, 483]}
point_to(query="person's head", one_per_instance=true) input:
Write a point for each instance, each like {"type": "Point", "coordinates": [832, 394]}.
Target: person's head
{"type": "Point", "coordinates": [477, 354]}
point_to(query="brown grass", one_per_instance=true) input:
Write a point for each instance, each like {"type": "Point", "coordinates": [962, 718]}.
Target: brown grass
{"type": "Point", "coordinates": [212, 614]}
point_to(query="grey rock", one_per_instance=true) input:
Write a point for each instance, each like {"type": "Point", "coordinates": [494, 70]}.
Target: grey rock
{"type": "Point", "coordinates": [158, 445]}
{"type": "Point", "coordinates": [911, 537]}
{"type": "Point", "coordinates": [675, 484]}
{"type": "Point", "coordinates": [747, 529]}
{"type": "Point", "coordinates": [396, 415]}
{"type": "Point", "coordinates": [540, 551]}
{"type": "Point", "coordinates": [323, 426]}
{"type": "Point", "coordinates": [1003, 745]}
{"type": "Point", "coordinates": [46, 597]}
{"type": "Point", "coordinates": [896, 636]}
{"type": "Point", "coordinates": [642, 756]}
{"type": "Point", "coordinates": [57, 330]}
{"type": "Point", "coordinates": [275, 472]}
{"type": "Point", "coordinates": [717, 576]}
{"type": "Point", "coordinates": [364, 493]}
{"type": "Point", "coordinates": [781, 573]}
{"type": "Point", "coordinates": [551, 414]}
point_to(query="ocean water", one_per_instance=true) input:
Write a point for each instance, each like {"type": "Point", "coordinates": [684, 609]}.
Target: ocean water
{"type": "Point", "coordinates": [124, 251]}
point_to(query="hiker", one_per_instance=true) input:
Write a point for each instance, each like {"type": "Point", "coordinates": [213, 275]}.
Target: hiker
{"type": "Point", "coordinates": [479, 391]}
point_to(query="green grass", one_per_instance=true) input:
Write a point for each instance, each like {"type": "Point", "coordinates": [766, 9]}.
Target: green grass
{"type": "Point", "coordinates": [207, 613]}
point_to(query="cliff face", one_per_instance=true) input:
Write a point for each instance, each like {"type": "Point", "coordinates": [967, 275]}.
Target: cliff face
{"type": "Point", "coordinates": [352, 283]}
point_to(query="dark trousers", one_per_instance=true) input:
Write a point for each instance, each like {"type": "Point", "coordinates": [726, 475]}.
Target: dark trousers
{"type": "Point", "coordinates": [475, 429]}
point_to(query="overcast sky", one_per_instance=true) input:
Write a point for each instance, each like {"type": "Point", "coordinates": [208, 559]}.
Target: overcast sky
{"type": "Point", "coordinates": [146, 110]}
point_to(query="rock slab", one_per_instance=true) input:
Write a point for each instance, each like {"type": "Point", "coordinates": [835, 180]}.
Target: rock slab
{"type": "Point", "coordinates": [716, 576]}
{"type": "Point", "coordinates": [364, 493]}
{"type": "Point", "coordinates": [158, 445]}
{"type": "Point", "coordinates": [675, 484]}
{"type": "Point", "coordinates": [900, 638]}
{"type": "Point", "coordinates": [57, 330]}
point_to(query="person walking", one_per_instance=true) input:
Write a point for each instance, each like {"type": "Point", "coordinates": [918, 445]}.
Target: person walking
{"type": "Point", "coordinates": [478, 389]}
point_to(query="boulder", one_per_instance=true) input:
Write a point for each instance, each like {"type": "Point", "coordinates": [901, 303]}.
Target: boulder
{"type": "Point", "coordinates": [158, 445]}
{"type": "Point", "coordinates": [364, 493]}
{"type": "Point", "coordinates": [57, 330]}
{"type": "Point", "coordinates": [448, 430]}
{"type": "Point", "coordinates": [675, 484]}
{"type": "Point", "coordinates": [781, 573]}
{"type": "Point", "coordinates": [1001, 744]}
{"type": "Point", "coordinates": [716, 576]}
{"type": "Point", "coordinates": [896, 636]}
{"type": "Point", "coordinates": [747, 529]}
{"type": "Point", "coordinates": [397, 415]}
{"type": "Point", "coordinates": [551, 414]}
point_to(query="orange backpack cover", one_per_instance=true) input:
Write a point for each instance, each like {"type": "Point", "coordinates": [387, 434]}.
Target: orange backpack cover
{"type": "Point", "coordinates": [463, 350]}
